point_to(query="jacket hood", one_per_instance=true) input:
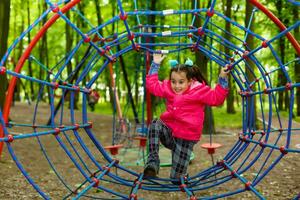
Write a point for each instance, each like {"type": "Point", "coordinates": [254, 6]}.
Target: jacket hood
{"type": "Point", "coordinates": [196, 85]}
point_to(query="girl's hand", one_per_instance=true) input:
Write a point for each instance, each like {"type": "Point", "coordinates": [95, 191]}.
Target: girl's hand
{"type": "Point", "coordinates": [224, 72]}
{"type": "Point", "coordinates": [158, 58]}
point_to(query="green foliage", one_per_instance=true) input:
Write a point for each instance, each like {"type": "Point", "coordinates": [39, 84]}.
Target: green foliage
{"type": "Point", "coordinates": [221, 117]}
{"type": "Point", "coordinates": [134, 61]}
{"type": "Point", "coordinates": [102, 108]}
{"type": "Point", "coordinates": [225, 120]}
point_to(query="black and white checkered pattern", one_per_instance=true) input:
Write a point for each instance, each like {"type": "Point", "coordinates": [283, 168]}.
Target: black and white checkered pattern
{"type": "Point", "coordinates": [181, 149]}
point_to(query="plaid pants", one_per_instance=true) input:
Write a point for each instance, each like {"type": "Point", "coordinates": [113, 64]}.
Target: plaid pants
{"type": "Point", "coordinates": [181, 149]}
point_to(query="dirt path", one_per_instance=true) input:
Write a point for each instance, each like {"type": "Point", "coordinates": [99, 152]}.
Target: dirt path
{"type": "Point", "coordinates": [276, 122]}
{"type": "Point", "coordinates": [283, 182]}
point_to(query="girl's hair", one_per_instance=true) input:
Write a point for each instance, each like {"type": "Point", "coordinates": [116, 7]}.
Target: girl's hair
{"type": "Point", "coordinates": [192, 72]}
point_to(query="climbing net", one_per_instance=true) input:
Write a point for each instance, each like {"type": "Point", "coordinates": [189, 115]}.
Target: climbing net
{"type": "Point", "coordinates": [257, 150]}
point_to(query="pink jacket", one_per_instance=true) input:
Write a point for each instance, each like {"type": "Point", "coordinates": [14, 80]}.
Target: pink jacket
{"type": "Point", "coordinates": [184, 113]}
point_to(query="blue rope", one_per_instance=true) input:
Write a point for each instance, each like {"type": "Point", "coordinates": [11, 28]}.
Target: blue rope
{"type": "Point", "coordinates": [246, 153]}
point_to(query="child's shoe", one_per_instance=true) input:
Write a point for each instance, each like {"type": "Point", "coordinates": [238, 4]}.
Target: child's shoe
{"type": "Point", "coordinates": [151, 170]}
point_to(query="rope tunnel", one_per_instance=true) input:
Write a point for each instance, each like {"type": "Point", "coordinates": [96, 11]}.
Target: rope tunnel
{"type": "Point", "coordinates": [256, 150]}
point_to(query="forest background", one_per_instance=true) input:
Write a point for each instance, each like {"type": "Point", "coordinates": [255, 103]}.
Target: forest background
{"type": "Point", "coordinates": [17, 15]}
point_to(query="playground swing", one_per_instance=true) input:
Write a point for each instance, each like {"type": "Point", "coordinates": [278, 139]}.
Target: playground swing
{"type": "Point", "coordinates": [124, 133]}
{"type": "Point", "coordinates": [123, 137]}
{"type": "Point", "coordinates": [122, 128]}
{"type": "Point", "coordinates": [211, 146]}
{"type": "Point", "coordinates": [133, 129]}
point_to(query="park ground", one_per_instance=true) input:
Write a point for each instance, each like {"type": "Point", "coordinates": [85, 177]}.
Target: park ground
{"type": "Point", "coordinates": [283, 182]}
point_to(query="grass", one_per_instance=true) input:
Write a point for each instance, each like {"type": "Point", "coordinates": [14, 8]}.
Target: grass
{"type": "Point", "coordinates": [103, 108]}
{"type": "Point", "coordinates": [285, 114]}
{"type": "Point", "coordinates": [282, 113]}
{"type": "Point", "coordinates": [222, 118]}
{"type": "Point", "coordinates": [226, 120]}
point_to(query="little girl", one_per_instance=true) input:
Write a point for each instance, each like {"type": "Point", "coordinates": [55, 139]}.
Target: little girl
{"type": "Point", "coordinates": [180, 126]}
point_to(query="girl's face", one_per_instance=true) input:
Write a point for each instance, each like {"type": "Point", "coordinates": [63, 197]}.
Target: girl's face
{"type": "Point", "coordinates": [179, 82]}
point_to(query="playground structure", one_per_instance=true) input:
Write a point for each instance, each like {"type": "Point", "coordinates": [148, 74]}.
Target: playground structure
{"type": "Point", "coordinates": [255, 149]}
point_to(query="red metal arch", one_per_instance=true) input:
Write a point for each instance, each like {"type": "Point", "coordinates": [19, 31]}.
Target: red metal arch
{"type": "Point", "coordinates": [24, 57]}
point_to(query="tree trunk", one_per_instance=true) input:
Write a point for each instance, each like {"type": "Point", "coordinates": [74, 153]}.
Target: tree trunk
{"type": "Point", "coordinates": [98, 13]}
{"type": "Point", "coordinates": [4, 27]}
{"type": "Point", "coordinates": [297, 64]}
{"type": "Point", "coordinates": [32, 95]}
{"type": "Point", "coordinates": [106, 72]}
{"type": "Point", "coordinates": [251, 101]}
{"type": "Point", "coordinates": [201, 62]}
{"type": "Point", "coordinates": [43, 57]}
{"type": "Point", "coordinates": [69, 41]}
{"type": "Point", "coordinates": [17, 89]}
{"type": "Point", "coordinates": [80, 24]}
{"type": "Point", "coordinates": [281, 77]}
{"type": "Point", "coordinates": [125, 75]}
{"type": "Point", "coordinates": [230, 98]}
{"type": "Point", "coordinates": [283, 47]}
{"type": "Point", "coordinates": [151, 19]}
{"type": "Point", "coordinates": [151, 101]}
